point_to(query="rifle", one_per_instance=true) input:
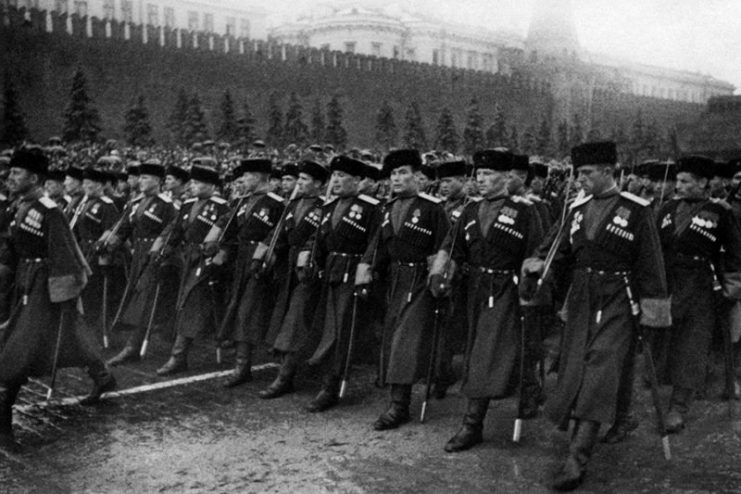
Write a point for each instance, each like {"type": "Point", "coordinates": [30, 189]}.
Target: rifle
{"type": "Point", "coordinates": [433, 361]}
{"type": "Point", "coordinates": [278, 229]}
{"type": "Point", "coordinates": [78, 211]}
{"type": "Point", "coordinates": [651, 370]}
{"type": "Point", "coordinates": [55, 362]}
{"type": "Point", "coordinates": [517, 432]}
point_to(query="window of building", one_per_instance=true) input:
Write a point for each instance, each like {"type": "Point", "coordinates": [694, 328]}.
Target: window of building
{"type": "Point", "coordinates": [231, 26]}
{"type": "Point", "coordinates": [169, 17]}
{"type": "Point", "coordinates": [80, 8]}
{"type": "Point", "coordinates": [192, 20]}
{"type": "Point", "coordinates": [153, 15]}
{"type": "Point", "coordinates": [127, 9]}
{"type": "Point", "coordinates": [109, 9]}
{"type": "Point", "coordinates": [60, 6]}
{"type": "Point", "coordinates": [397, 52]}
{"type": "Point", "coordinates": [208, 23]}
{"type": "Point", "coordinates": [473, 60]}
{"type": "Point", "coordinates": [376, 49]}
{"type": "Point", "coordinates": [435, 57]}
{"type": "Point", "coordinates": [350, 46]}
{"type": "Point", "coordinates": [244, 28]}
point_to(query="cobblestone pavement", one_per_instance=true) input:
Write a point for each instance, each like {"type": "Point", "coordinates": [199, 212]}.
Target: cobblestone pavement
{"type": "Point", "coordinates": [199, 437]}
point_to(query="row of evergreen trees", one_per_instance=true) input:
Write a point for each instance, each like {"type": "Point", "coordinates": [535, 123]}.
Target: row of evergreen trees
{"type": "Point", "coordinates": [237, 124]}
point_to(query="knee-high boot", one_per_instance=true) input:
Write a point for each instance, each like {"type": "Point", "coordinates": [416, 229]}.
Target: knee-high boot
{"type": "Point", "coordinates": [573, 470]}
{"type": "Point", "coordinates": [283, 383]}
{"type": "Point", "coordinates": [243, 367]}
{"type": "Point", "coordinates": [178, 361]}
{"type": "Point", "coordinates": [470, 433]}
{"type": "Point", "coordinates": [8, 394]}
{"type": "Point", "coordinates": [398, 412]}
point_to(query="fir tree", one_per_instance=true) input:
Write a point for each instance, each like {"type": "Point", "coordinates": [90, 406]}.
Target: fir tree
{"type": "Point", "coordinates": [473, 134]}
{"type": "Point", "coordinates": [386, 131]}
{"type": "Point", "coordinates": [543, 147]}
{"type": "Point", "coordinates": [514, 140]}
{"type": "Point", "coordinates": [274, 135]}
{"type": "Point", "coordinates": [447, 135]}
{"type": "Point", "coordinates": [176, 122]}
{"type": "Point", "coordinates": [336, 133]}
{"type": "Point", "coordinates": [81, 119]}
{"type": "Point", "coordinates": [529, 141]}
{"type": "Point", "coordinates": [13, 125]}
{"type": "Point", "coordinates": [246, 126]}
{"type": "Point", "coordinates": [317, 123]}
{"type": "Point", "coordinates": [496, 135]}
{"type": "Point", "coordinates": [576, 132]}
{"type": "Point", "coordinates": [564, 143]}
{"type": "Point", "coordinates": [295, 131]}
{"type": "Point", "coordinates": [195, 128]}
{"type": "Point", "coordinates": [229, 128]}
{"type": "Point", "coordinates": [414, 132]}
{"type": "Point", "coordinates": [137, 129]}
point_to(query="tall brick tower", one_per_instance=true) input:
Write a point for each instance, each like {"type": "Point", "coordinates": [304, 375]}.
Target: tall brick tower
{"type": "Point", "coordinates": [552, 30]}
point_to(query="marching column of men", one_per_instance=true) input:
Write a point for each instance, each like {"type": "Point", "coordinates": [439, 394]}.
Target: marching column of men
{"type": "Point", "coordinates": [479, 273]}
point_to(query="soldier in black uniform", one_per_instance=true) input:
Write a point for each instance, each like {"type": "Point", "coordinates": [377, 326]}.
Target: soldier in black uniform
{"type": "Point", "coordinates": [413, 228]}
{"type": "Point", "coordinates": [349, 222]}
{"type": "Point", "coordinates": [200, 294]}
{"type": "Point", "coordinates": [299, 292]}
{"type": "Point", "coordinates": [288, 178]}
{"type": "Point", "coordinates": [176, 181]}
{"type": "Point", "coordinates": [50, 274]}
{"type": "Point", "coordinates": [92, 217]}
{"type": "Point", "coordinates": [54, 188]}
{"type": "Point", "coordinates": [145, 219]}
{"type": "Point", "coordinates": [497, 233]}
{"type": "Point", "coordinates": [73, 190]}
{"type": "Point", "coordinates": [248, 311]}
{"type": "Point", "coordinates": [610, 250]}
{"type": "Point", "coordinates": [694, 230]}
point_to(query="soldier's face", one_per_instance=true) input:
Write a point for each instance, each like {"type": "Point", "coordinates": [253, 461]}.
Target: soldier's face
{"type": "Point", "coordinates": [595, 179]}
{"type": "Point", "coordinates": [250, 181]}
{"type": "Point", "coordinates": [717, 185]}
{"type": "Point", "coordinates": [422, 180]}
{"type": "Point", "coordinates": [200, 189]}
{"type": "Point", "coordinates": [54, 188]}
{"type": "Point", "coordinates": [516, 181]}
{"type": "Point", "coordinates": [491, 182]}
{"type": "Point", "coordinates": [91, 187]}
{"type": "Point", "coordinates": [71, 185]}
{"type": "Point", "coordinates": [133, 181]}
{"type": "Point", "coordinates": [307, 186]}
{"type": "Point", "coordinates": [21, 180]}
{"type": "Point", "coordinates": [149, 184]}
{"type": "Point", "coordinates": [663, 188]}
{"type": "Point", "coordinates": [172, 183]}
{"type": "Point", "coordinates": [690, 186]}
{"type": "Point", "coordinates": [343, 184]}
{"type": "Point", "coordinates": [288, 183]}
{"type": "Point", "coordinates": [404, 181]}
{"type": "Point", "coordinates": [451, 186]}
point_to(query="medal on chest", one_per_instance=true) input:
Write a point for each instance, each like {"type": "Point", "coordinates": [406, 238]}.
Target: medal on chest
{"type": "Point", "coordinates": [356, 212]}
{"type": "Point", "coordinates": [620, 223]}
{"type": "Point", "coordinates": [667, 221]}
{"type": "Point", "coordinates": [507, 215]}
{"type": "Point", "coordinates": [415, 216]}
{"type": "Point", "coordinates": [576, 224]}
{"type": "Point", "coordinates": [705, 223]}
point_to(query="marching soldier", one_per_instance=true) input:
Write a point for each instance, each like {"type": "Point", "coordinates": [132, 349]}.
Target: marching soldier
{"type": "Point", "coordinates": [288, 179]}
{"type": "Point", "coordinates": [93, 216]}
{"type": "Point", "coordinates": [73, 190]}
{"type": "Point", "coordinates": [299, 291]}
{"type": "Point", "coordinates": [176, 180]}
{"type": "Point", "coordinates": [50, 274]}
{"type": "Point", "coordinates": [248, 311]}
{"type": "Point", "coordinates": [494, 236]}
{"type": "Point", "coordinates": [199, 296]}
{"type": "Point", "coordinates": [54, 188]}
{"type": "Point", "coordinates": [413, 228]}
{"type": "Point", "coordinates": [610, 247]}
{"type": "Point", "coordinates": [349, 222]}
{"type": "Point", "coordinates": [145, 219]}
{"type": "Point", "coordinates": [694, 231]}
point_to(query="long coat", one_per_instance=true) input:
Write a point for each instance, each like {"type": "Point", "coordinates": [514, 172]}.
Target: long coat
{"type": "Point", "coordinates": [248, 311]}
{"type": "Point", "coordinates": [494, 256]}
{"type": "Point", "coordinates": [198, 300]}
{"type": "Point", "coordinates": [338, 247]}
{"type": "Point", "coordinates": [607, 241]}
{"type": "Point", "coordinates": [296, 301]}
{"type": "Point", "coordinates": [404, 251]}
{"type": "Point", "coordinates": [50, 272]}
{"type": "Point", "coordinates": [144, 222]}
{"type": "Point", "coordinates": [702, 248]}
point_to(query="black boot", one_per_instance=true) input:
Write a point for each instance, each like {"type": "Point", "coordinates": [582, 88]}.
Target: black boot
{"type": "Point", "coordinates": [178, 361]}
{"type": "Point", "coordinates": [624, 421]}
{"type": "Point", "coordinates": [130, 353]}
{"type": "Point", "coordinates": [8, 394]}
{"type": "Point", "coordinates": [573, 470]}
{"type": "Point", "coordinates": [470, 433]}
{"type": "Point", "coordinates": [283, 384]}
{"type": "Point", "coordinates": [243, 368]}
{"type": "Point", "coordinates": [678, 407]}
{"type": "Point", "coordinates": [398, 412]}
{"type": "Point", "coordinates": [103, 382]}
{"type": "Point", "coordinates": [328, 396]}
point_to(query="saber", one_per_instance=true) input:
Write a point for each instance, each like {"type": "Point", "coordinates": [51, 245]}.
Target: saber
{"type": "Point", "coordinates": [104, 310]}
{"type": "Point", "coordinates": [145, 342]}
{"type": "Point", "coordinates": [55, 363]}
{"type": "Point", "coordinates": [433, 361]}
{"type": "Point", "coordinates": [346, 371]}
{"type": "Point", "coordinates": [651, 369]}
{"type": "Point", "coordinates": [517, 431]}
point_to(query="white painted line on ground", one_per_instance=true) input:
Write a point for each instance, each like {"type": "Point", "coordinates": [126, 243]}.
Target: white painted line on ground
{"type": "Point", "coordinates": [73, 400]}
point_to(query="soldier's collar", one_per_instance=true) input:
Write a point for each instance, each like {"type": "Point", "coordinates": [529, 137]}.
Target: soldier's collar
{"type": "Point", "coordinates": [611, 192]}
